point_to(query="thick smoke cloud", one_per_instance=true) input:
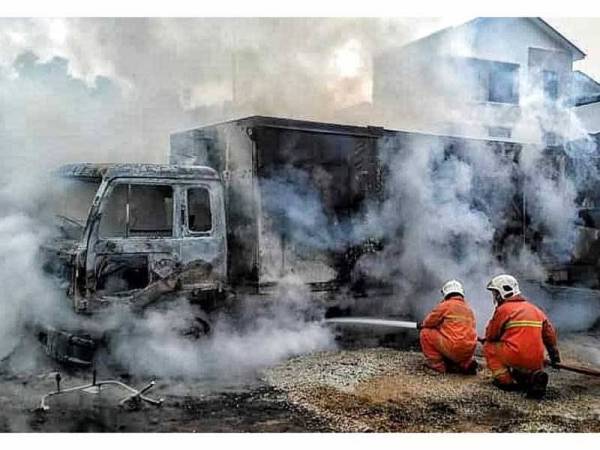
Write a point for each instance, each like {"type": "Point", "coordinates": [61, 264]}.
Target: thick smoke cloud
{"type": "Point", "coordinates": [438, 223]}
{"type": "Point", "coordinates": [172, 74]}
{"type": "Point", "coordinates": [28, 295]}
{"type": "Point", "coordinates": [113, 90]}
{"type": "Point", "coordinates": [261, 334]}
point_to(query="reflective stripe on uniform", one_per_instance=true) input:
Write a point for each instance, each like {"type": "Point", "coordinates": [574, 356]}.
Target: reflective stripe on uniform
{"type": "Point", "coordinates": [458, 318]}
{"type": "Point", "coordinates": [499, 372]}
{"type": "Point", "coordinates": [523, 323]}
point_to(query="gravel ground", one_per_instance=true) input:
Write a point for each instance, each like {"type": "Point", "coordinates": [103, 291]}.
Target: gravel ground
{"type": "Point", "coordinates": [378, 389]}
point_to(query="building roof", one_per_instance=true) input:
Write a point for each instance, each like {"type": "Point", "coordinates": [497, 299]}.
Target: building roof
{"type": "Point", "coordinates": [585, 89]}
{"type": "Point", "coordinates": [581, 77]}
{"type": "Point", "coordinates": [587, 100]}
{"type": "Point", "coordinates": [553, 32]}
{"type": "Point", "coordinates": [537, 21]}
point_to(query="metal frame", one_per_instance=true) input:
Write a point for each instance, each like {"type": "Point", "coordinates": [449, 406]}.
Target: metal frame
{"type": "Point", "coordinates": [136, 395]}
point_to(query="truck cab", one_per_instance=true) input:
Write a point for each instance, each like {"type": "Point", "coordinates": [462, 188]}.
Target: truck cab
{"type": "Point", "coordinates": [149, 230]}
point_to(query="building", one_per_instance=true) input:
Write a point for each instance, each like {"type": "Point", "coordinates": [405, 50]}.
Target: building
{"type": "Point", "coordinates": [587, 103]}
{"type": "Point", "coordinates": [504, 78]}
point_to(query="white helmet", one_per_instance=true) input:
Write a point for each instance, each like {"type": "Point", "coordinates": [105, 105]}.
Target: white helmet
{"type": "Point", "coordinates": [453, 287]}
{"type": "Point", "coordinates": [506, 285]}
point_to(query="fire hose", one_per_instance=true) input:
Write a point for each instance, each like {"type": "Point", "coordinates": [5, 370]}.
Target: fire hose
{"type": "Point", "coordinates": [573, 368]}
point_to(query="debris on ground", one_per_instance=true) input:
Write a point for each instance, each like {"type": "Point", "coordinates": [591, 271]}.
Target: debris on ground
{"type": "Point", "coordinates": [132, 401]}
{"type": "Point", "coordinates": [189, 406]}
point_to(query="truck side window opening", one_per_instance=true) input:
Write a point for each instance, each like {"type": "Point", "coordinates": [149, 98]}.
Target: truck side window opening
{"type": "Point", "coordinates": [138, 210]}
{"type": "Point", "coordinates": [199, 214]}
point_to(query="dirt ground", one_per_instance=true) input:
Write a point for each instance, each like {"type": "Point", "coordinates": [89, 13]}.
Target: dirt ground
{"type": "Point", "coordinates": [362, 389]}
{"type": "Point", "coordinates": [189, 407]}
{"type": "Point", "coordinates": [225, 404]}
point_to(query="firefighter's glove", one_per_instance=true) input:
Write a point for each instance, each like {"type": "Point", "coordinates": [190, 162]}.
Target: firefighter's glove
{"type": "Point", "coordinates": [419, 326]}
{"type": "Point", "coordinates": [554, 357]}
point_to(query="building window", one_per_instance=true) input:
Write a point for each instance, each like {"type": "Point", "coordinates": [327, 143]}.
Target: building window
{"type": "Point", "coordinates": [550, 79]}
{"type": "Point", "coordinates": [481, 92]}
{"type": "Point", "coordinates": [495, 81]}
{"type": "Point", "coordinates": [503, 83]}
{"type": "Point", "coordinates": [551, 139]}
{"type": "Point", "coordinates": [499, 132]}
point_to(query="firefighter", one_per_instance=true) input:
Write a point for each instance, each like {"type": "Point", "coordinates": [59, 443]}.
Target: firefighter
{"type": "Point", "coordinates": [448, 336]}
{"type": "Point", "coordinates": [515, 339]}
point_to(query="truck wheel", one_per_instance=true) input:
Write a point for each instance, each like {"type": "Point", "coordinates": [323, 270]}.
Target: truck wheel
{"type": "Point", "coordinates": [197, 326]}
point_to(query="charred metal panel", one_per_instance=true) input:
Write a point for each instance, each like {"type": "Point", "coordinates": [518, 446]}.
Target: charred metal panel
{"type": "Point", "coordinates": [75, 349]}
{"type": "Point", "coordinates": [121, 272]}
{"type": "Point", "coordinates": [229, 149]}
{"type": "Point", "coordinates": [124, 263]}
{"type": "Point", "coordinates": [323, 176]}
{"type": "Point", "coordinates": [338, 166]}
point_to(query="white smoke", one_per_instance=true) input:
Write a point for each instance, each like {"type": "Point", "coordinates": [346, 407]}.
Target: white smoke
{"type": "Point", "coordinates": [434, 231]}
{"type": "Point", "coordinates": [266, 332]}
{"type": "Point", "coordinates": [112, 90]}
{"type": "Point", "coordinates": [119, 87]}
{"type": "Point", "coordinates": [27, 294]}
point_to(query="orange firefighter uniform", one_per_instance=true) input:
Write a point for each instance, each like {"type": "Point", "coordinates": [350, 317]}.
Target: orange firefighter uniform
{"type": "Point", "coordinates": [448, 333]}
{"type": "Point", "coordinates": [515, 338]}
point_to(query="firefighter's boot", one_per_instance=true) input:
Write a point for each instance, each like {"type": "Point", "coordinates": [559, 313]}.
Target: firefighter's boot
{"type": "Point", "coordinates": [537, 385]}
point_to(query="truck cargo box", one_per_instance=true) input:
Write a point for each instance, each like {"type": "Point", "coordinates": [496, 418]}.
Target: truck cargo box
{"type": "Point", "coordinates": [291, 189]}
{"type": "Point", "coordinates": [296, 190]}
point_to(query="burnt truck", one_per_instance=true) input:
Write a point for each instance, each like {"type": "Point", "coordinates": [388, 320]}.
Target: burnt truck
{"type": "Point", "coordinates": [224, 220]}
{"type": "Point", "coordinates": [225, 216]}
{"type": "Point", "coordinates": [241, 205]}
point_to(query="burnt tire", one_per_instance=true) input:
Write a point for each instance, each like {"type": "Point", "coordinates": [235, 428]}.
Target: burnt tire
{"type": "Point", "coordinates": [198, 325]}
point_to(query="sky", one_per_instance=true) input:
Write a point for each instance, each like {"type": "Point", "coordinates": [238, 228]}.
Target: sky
{"type": "Point", "coordinates": [585, 34]}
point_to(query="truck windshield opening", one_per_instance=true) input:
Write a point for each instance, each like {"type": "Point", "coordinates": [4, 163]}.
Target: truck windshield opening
{"type": "Point", "coordinates": [133, 210]}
